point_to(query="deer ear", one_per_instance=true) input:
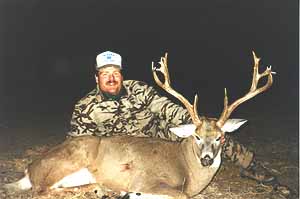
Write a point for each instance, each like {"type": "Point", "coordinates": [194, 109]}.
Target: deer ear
{"type": "Point", "coordinates": [184, 131]}
{"type": "Point", "coordinates": [232, 125]}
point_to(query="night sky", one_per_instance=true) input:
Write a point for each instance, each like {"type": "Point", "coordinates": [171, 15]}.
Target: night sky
{"type": "Point", "coordinates": [48, 51]}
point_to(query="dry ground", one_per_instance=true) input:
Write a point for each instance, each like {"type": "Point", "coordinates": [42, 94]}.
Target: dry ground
{"type": "Point", "coordinates": [276, 147]}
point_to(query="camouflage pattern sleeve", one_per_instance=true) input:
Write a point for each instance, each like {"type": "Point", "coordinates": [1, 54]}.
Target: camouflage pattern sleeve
{"type": "Point", "coordinates": [170, 114]}
{"type": "Point", "coordinates": [81, 122]}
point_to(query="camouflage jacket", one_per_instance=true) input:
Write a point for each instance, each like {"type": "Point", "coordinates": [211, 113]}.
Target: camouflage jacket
{"type": "Point", "coordinates": [140, 111]}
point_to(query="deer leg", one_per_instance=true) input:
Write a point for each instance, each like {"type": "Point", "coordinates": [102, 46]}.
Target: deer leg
{"type": "Point", "coordinates": [78, 178]}
{"type": "Point", "coordinates": [158, 192]}
{"type": "Point", "coordinates": [21, 185]}
{"type": "Point", "coordinates": [53, 173]}
{"type": "Point", "coordinates": [66, 165]}
{"type": "Point", "coordinates": [99, 190]}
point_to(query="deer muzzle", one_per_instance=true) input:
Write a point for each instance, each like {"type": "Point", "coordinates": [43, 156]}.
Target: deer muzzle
{"type": "Point", "coordinates": [206, 161]}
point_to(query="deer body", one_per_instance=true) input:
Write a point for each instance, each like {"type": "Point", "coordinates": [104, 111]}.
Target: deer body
{"type": "Point", "coordinates": [126, 164]}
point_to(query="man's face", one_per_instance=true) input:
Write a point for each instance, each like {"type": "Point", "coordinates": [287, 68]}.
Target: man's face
{"type": "Point", "coordinates": [110, 79]}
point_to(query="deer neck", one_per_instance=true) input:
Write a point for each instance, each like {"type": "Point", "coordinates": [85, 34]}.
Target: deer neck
{"type": "Point", "coordinates": [189, 153]}
{"type": "Point", "coordinates": [198, 175]}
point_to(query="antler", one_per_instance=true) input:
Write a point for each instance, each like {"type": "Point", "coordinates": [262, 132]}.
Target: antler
{"type": "Point", "coordinates": [252, 92]}
{"type": "Point", "coordinates": [167, 87]}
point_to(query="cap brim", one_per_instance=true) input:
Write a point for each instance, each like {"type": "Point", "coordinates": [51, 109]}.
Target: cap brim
{"type": "Point", "coordinates": [108, 65]}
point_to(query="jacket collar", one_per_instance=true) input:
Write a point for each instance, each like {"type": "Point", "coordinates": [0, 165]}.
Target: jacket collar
{"type": "Point", "coordinates": [100, 95]}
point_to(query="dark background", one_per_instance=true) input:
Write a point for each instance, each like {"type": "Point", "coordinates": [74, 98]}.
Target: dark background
{"type": "Point", "coordinates": [48, 50]}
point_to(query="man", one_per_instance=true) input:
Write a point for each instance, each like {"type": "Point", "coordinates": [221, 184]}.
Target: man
{"type": "Point", "coordinates": [129, 107]}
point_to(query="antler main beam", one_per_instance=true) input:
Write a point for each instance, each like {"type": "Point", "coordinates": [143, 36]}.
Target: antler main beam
{"type": "Point", "coordinates": [192, 109]}
{"type": "Point", "coordinates": [252, 92]}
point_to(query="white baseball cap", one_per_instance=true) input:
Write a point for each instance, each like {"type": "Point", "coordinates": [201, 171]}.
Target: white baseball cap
{"type": "Point", "coordinates": [108, 58]}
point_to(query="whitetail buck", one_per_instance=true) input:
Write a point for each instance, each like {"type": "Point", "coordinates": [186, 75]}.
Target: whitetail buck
{"type": "Point", "coordinates": [152, 167]}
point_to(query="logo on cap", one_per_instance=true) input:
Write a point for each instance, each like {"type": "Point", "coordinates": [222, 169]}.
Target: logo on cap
{"type": "Point", "coordinates": [108, 58]}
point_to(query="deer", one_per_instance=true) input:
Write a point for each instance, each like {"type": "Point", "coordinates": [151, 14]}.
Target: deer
{"type": "Point", "coordinates": [139, 166]}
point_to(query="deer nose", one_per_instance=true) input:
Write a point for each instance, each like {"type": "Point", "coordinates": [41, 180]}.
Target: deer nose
{"type": "Point", "coordinates": [206, 161]}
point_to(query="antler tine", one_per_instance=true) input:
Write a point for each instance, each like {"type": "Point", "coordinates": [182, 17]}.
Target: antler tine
{"type": "Point", "coordinates": [163, 70]}
{"type": "Point", "coordinates": [167, 87]}
{"type": "Point", "coordinates": [252, 92]}
{"type": "Point", "coordinates": [195, 106]}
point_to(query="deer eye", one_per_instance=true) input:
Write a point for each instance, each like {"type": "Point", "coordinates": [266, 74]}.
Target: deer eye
{"type": "Point", "coordinates": [218, 139]}
{"type": "Point", "coordinates": [197, 137]}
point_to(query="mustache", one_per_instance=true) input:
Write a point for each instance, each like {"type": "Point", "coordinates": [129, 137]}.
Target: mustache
{"type": "Point", "coordinates": [111, 82]}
